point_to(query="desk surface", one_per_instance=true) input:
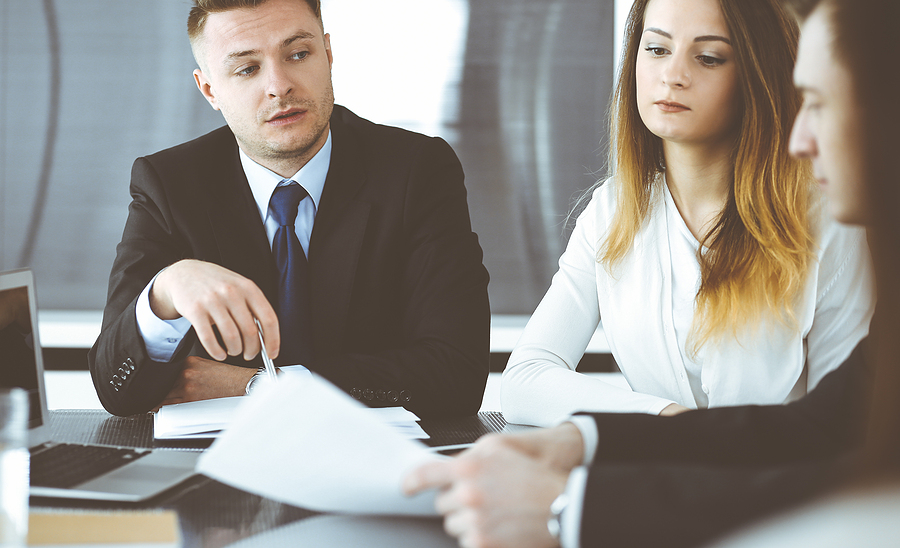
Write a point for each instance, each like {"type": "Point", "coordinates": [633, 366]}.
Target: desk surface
{"type": "Point", "coordinates": [212, 514]}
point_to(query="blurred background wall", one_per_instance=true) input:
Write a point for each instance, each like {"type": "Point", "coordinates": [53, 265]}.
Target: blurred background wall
{"type": "Point", "coordinates": [518, 87]}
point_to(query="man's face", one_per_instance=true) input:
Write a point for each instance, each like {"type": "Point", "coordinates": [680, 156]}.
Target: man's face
{"type": "Point", "coordinates": [828, 129]}
{"type": "Point", "coordinates": [268, 70]}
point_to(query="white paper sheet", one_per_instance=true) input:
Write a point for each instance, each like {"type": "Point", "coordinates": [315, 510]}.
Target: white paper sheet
{"type": "Point", "coordinates": [335, 531]}
{"type": "Point", "coordinates": [306, 443]}
{"type": "Point", "coordinates": [206, 419]}
{"type": "Point", "coordinates": [196, 418]}
{"type": "Point", "coordinates": [394, 414]}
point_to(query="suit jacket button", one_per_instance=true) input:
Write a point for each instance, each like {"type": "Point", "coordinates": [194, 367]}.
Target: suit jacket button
{"type": "Point", "coordinates": [356, 393]}
{"type": "Point", "coordinates": [405, 396]}
{"type": "Point", "coordinates": [380, 395]}
{"type": "Point", "coordinates": [393, 396]}
{"type": "Point", "coordinates": [369, 394]}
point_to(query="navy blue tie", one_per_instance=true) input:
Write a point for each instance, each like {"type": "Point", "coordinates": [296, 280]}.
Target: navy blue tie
{"type": "Point", "coordinates": [293, 277]}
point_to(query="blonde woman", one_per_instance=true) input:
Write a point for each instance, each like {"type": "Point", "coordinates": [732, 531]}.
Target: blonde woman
{"type": "Point", "coordinates": [719, 278]}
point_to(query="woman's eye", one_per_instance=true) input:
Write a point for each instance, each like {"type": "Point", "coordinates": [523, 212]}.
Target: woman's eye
{"type": "Point", "coordinates": [656, 51]}
{"type": "Point", "coordinates": [710, 61]}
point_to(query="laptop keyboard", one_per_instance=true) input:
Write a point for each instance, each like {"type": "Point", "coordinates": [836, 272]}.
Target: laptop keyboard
{"type": "Point", "coordinates": [66, 465]}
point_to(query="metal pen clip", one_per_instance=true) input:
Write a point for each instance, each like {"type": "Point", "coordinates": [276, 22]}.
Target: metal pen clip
{"type": "Point", "coordinates": [270, 367]}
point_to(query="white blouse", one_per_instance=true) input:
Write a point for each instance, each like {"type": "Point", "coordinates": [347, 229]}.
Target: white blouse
{"type": "Point", "coordinates": [647, 305]}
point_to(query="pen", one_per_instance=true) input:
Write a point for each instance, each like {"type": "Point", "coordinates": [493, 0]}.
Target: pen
{"type": "Point", "coordinates": [270, 367]}
{"type": "Point", "coordinates": [450, 449]}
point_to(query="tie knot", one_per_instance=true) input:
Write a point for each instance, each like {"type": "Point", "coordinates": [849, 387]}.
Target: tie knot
{"type": "Point", "coordinates": [284, 202]}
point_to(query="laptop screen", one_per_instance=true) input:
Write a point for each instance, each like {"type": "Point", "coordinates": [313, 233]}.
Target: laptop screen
{"type": "Point", "coordinates": [17, 345]}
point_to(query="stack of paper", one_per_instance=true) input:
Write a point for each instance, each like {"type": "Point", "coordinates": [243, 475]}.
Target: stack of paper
{"type": "Point", "coordinates": [404, 422]}
{"type": "Point", "coordinates": [208, 418]}
{"type": "Point", "coordinates": [196, 419]}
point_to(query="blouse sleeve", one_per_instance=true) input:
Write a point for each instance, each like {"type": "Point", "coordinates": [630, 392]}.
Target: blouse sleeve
{"type": "Point", "coordinates": [540, 385]}
{"type": "Point", "coordinates": [845, 300]}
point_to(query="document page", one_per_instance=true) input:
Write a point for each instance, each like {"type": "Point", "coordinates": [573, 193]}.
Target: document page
{"type": "Point", "coordinates": [304, 442]}
{"type": "Point", "coordinates": [206, 419]}
{"type": "Point", "coordinates": [196, 419]}
{"type": "Point", "coordinates": [337, 531]}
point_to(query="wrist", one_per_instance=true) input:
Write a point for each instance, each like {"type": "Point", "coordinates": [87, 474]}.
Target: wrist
{"type": "Point", "coordinates": [574, 442]}
{"type": "Point", "coordinates": [673, 409]}
{"type": "Point", "coordinates": [160, 306]}
{"type": "Point", "coordinates": [566, 447]}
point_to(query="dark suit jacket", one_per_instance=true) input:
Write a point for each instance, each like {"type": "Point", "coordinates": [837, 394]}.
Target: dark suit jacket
{"type": "Point", "coordinates": [689, 505]}
{"type": "Point", "coordinates": [398, 290]}
{"type": "Point", "coordinates": [684, 480]}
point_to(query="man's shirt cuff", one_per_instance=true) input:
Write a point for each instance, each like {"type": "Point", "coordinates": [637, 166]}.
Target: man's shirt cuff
{"type": "Point", "coordinates": [161, 337]}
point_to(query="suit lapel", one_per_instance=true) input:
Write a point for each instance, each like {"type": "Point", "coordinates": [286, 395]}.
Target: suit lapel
{"type": "Point", "coordinates": [240, 235]}
{"type": "Point", "coordinates": [337, 235]}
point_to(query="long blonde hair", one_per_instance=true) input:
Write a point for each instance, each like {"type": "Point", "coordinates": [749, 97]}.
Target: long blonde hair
{"type": "Point", "coordinates": [761, 245]}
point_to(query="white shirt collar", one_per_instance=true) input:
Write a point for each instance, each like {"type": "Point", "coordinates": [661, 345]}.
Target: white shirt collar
{"type": "Point", "coordinates": [311, 177]}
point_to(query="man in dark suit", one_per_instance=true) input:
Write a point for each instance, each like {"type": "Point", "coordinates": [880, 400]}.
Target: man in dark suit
{"type": "Point", "coordinates": [394, 294]}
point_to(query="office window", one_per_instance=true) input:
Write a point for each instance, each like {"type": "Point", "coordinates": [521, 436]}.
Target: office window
{"type": "Point", "coordinates": [518, 87]}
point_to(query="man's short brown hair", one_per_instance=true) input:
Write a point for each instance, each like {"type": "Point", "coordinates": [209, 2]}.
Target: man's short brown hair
{"type": "Point", "coordinates": [203, 8]}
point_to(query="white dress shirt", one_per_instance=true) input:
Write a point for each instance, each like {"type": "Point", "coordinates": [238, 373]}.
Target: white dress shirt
{"type": "Point", "coordinates": [162, 337]}
{"type": "Point", "coordinates": [647, 306]}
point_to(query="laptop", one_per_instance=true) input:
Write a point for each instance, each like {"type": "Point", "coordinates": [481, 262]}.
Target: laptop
{"type": "Point", "coordinates": [95, 472]}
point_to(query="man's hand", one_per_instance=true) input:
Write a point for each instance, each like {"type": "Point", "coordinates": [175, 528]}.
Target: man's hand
{"type": "Point", "coordinates": [210, 295]}
{"type": "Point", "coordinates": [492, 495]}
{"type": "Point", "coordinates": [203, 379]}
{"type": "Point", "coordinates": [560, 447]}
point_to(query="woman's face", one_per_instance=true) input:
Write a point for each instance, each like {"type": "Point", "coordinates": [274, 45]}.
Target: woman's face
{"type": "Point", "coordinates": [828, 130]}
{"type": "Point", "coordinates": [686, 73]}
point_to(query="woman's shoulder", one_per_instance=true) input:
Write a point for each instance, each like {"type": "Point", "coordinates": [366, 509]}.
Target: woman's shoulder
{"type": "Point", "coordinates": [602, 200]}
{"type": "Point", "coordinates": [598, 201]}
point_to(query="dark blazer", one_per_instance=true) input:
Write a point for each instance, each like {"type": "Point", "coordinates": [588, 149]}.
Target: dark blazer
{"type": "Point", "coordinates": [826, 422]}
{"type": "Point", "coordinates": [689, 505]}
{"type": "Point", "coordinates": [398, 289]}
{"type": "Point", "coordinates": [687, 479]}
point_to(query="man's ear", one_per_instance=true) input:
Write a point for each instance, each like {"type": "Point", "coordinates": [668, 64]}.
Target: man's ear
{"type": "Point", "coordinates": [328, 50]}
{"type": "Point", "coordinates": [205, 88]}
